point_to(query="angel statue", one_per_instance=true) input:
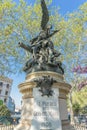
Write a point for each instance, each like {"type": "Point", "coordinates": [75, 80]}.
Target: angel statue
{"type": "Point", "coordinates": [42, 48]}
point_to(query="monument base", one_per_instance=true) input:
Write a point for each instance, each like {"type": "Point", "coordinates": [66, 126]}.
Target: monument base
{"type": "Point", "coordinates": [26, 114]}
{"type": "Point", "coordinates": [42, 112]}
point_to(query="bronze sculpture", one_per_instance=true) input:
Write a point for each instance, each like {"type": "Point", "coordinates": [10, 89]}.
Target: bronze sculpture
{"type": "Point", "coordinates": [44, 56]}
{"type": "Point", "coordinates": [45, 84]}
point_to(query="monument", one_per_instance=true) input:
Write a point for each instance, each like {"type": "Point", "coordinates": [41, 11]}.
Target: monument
{"type": "Point", "coordinates": [44, 91]}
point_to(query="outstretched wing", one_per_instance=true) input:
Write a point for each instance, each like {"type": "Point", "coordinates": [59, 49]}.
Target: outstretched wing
{"type": "Point", "coordinates": [45, 15]}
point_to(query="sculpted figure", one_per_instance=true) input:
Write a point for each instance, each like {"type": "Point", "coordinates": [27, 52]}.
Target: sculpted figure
{"type": "Point", "coordinates": [43, 55]}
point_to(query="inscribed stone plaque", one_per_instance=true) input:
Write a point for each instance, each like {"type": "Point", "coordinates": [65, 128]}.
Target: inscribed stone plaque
{"type": "Point", "coordinates": [46, 114]}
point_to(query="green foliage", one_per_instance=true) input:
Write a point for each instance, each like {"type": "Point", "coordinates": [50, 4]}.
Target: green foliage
{"type": "Point", "coordinates": [22, 22]}
{"type": "Point", "coordinates": [80, 97]}
{"type": "Point", "coordinates": [76, 108]}
{"type": "Point", "coordinates": [1, 102]}
{"type": "Point", "coordinates": [77, 100]}
{"type": "Point", "coordinates": [4, 111]}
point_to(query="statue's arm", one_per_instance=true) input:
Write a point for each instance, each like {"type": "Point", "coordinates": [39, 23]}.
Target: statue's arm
{"type": "Point", "coordinates": [26, 47]}
{"type": "Point", "coordinates": [54, 32]}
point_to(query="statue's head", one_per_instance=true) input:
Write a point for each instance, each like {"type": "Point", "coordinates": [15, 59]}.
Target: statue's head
{"type": "Point", "coordinates": [42, 34]}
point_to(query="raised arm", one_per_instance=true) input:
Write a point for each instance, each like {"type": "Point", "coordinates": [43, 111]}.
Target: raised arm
{"type": "Point", "coordinates": [26, 47]}
{"type": "Point", "coordinates": [54, 32]}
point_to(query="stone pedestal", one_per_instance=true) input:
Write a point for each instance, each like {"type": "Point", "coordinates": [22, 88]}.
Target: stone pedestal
{"type": "Point", "coordinates": [28, 100]}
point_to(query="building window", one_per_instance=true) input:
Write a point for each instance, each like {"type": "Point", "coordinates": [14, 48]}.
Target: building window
{"type": "Point", "coordinates": [0, 91]}
{"type": "Point", "coordinates": [7, 86]}
{"type": "Point", "coordinates": [1, 84]}
{"type": "Point", "coordinates": [6, 93]}
{"type": "Point", "coordinates": [5, 100]}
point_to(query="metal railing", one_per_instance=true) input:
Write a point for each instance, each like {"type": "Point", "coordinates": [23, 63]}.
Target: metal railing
{"type": "Point", "coordinates": [75, 126]}
{"type": "Point", "coordinates": [10, 127]}
{"type": "Point", "coordinates": [79, 127]}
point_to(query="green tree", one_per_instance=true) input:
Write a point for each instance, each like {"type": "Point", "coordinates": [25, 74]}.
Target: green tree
{"type": "Point", "coordinates": [77, 99]}
{"type": "Point", "coordinates": [19, 23]}
{"type": "Point", "coordinates": [22, 22]}
{"type": "Point", "coordinates": [4, 111]}
{"type": "Point", "coordinates": [76, 108]}
{"type": "Point", "coordinates": [80, 97]}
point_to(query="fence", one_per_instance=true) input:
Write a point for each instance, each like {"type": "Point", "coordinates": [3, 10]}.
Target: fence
{"type": "Point", "coordinates": [80, 127]}
{"type": "Point", "coordinates": [10, 127]}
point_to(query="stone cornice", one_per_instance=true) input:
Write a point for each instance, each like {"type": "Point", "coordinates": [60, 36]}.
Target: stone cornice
{"type": "Point", "coordinates": [5, 79]}
{"type": "Point", "coordinates": [44, 73]}
{"type": "Point", "coordinates": [26, 86]}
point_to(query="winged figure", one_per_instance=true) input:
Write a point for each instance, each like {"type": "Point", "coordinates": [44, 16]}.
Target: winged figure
{"type": "Point", "coordinates": [42, 48]}
{"type": "Point", "coordinates": [45, 15]}
{"type": "Point", "coordinates": [45, 33]}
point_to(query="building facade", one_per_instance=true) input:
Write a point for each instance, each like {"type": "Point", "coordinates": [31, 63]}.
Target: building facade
{"type": "Point", "coordinates": [5, 90]}
{"type": "Point", "coordinates": [11, 105]}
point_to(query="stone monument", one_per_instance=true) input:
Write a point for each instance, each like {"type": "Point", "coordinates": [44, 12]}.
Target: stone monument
{"type": "Point", "coordinates": [44, 91]}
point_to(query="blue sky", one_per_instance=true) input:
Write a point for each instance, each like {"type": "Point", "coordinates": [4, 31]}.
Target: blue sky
{"type": "Point", "coordinates": [66, 6]}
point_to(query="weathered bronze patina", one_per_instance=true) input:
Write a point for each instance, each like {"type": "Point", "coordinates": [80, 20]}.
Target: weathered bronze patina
{"type": "Point", "coordinates": [44, 56]}
{"type": "Point", "coordinates": [45, 84]}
